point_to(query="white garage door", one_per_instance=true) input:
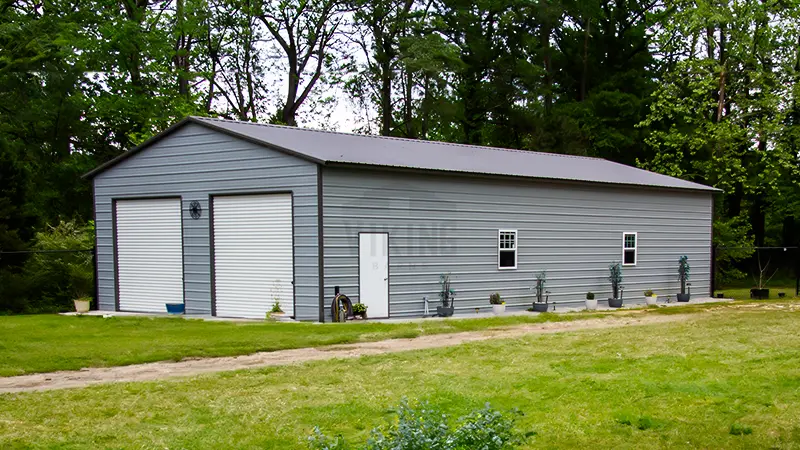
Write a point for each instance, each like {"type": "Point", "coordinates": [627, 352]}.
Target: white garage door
{"type": "Point", "coordinates": [253, 264]}
{"type": "Point", "coordinates": [149, 254]}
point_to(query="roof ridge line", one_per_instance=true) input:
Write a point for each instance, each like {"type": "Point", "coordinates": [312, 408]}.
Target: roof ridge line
{"type": "Point", "coordinates": [395, 138]}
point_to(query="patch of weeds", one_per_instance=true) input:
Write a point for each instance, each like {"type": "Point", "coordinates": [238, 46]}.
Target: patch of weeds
{"type": "Point", "coordinates": [738, 429]}
{"type": "Point", "coordinates": [640, 422]}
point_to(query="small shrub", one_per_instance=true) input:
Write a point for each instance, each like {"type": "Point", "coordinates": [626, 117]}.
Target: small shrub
{"type": "Point", "coordinates": [590, 296]}
{"type": "Point", "coordinates": [422, 427]}
{"type": "Point", "coordinates": [359, 308]}
{"type": "Point", "coordinates": [276, 307]}
{"type": "Point", "coordinates": [648, 293]}
{"type": "Point", "coordinates": [495, 299]}
{"type": "Point", "coordinates": [738, 429]}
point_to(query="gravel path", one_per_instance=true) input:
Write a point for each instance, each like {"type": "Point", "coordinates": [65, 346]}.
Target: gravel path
{"type": "Point", "coordinates": [197, 366]}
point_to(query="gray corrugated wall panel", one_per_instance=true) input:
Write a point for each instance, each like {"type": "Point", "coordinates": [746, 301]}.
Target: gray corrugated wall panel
{"type": "Point", "coordinates": [440, 223]}
{"type": "Point", "coordinates": [193, 163]}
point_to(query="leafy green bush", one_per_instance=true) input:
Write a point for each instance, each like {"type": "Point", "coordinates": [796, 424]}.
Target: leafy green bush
{"type": "Point", "coordinates": [53, 280]}
{"type": "Point", "coordinates": [359, 308]}
{"type": "Point", "coordinates": [423, 427]}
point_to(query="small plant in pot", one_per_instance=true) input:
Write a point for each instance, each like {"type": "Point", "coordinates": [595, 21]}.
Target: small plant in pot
{"type": "Point", "coordinates": [447, 294]}
{"type": "Point", "coordinates": [650, 297]}
{"type": "Point", "coordinates": [683, 274]}
{"type": "Point", "coordinates": [615, 277]}
{"type": "Point", "coordinates": [82, 304]}
{"type": "Point", "coordinates": [360, 310]}
{"type": "Point", "coordinates": [498, 305]}
{"type": "Point", "coordinates": [591, 302]}
{"type": "Point", "coordinates": [541, 302]}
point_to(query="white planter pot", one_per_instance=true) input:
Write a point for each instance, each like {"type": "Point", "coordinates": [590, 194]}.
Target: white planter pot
{"type": "Point", "coordinates": [498, 309]}
{"type": "Point", "coordinates": [651, 301]}
{"type": "Point", "coordinates": [591, 305]}
{"type": "Point", "coordinates": [81, 306]}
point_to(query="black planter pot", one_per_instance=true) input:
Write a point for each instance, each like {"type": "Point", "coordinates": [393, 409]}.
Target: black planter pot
{"type": "Point", "coordinates": [444, 311]}
{"type": "Point", "coordinates": [540, 307]}
{"type": "Point", "coordinates": [683, 298]}
{"type": "Point", "coordinates": [720, 295]}
{"type": "Point", "coordinates": [615, 302]}
{"type": "Point", "coordinates": [759, 294]}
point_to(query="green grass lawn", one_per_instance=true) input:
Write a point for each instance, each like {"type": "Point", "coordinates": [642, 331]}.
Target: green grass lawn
{"type": "Point", "coordinates": [45, 343]}
{"type": "Point", "coordinates": [675, 385]}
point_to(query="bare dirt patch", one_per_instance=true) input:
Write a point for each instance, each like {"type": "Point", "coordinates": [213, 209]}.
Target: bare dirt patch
{"type": "Point", "coordinates": [197, 366]}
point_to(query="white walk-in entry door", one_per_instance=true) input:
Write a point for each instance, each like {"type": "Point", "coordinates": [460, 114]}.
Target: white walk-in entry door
{"type": "Point", "coordinates": [373, 273]}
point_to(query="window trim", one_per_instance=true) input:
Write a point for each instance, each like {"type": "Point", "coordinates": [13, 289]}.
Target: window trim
{"type": "Point", "coordinates": [516, 249]}
{"type": "Point", "coordinates": [635, 247]}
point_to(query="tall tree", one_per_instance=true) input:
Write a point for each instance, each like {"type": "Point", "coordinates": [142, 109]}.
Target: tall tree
{"type": "Point", "coordinates": [305, 32]}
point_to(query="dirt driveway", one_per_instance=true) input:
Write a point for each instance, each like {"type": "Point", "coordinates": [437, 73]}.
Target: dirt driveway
{"type": "Point", "coordinates": [196, 366]}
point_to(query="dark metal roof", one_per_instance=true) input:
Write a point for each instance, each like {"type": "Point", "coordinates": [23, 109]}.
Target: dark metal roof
{"type": "Point", "coordinates": [324, 147]}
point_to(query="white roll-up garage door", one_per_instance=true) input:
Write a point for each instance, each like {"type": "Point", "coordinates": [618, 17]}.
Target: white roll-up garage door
{"type": "Point", "coordinates": [149, 254]}
{"type": "Point", "coordinates": [253, 263]}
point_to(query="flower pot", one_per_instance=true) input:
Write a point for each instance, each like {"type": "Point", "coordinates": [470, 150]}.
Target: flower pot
{"type": "Point", "coordinates": [759, 294]}
{"type": "Point", "coordinates": [615, 302]}
{"type": "Point", "coordinates": [175, 308]}
{"type": "Point", "coordinates": [683, 298]}
{"type": "Point", "coordinates": [444, 311]}
{"type": "Point", "coordinates": [540, 307]}
{"type": "Point", "coordinates": [591, 305]}
{"type": "Point", "coordinates": [362, 315]}
{"type": "Point", "coordinates": [81, 306]}
{"type": "Point", "coordinates": [498, 309]}
{"type": "Point", "coordinates": [651, 300]}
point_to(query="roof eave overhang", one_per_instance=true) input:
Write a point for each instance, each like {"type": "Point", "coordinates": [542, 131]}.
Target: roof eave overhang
{"type": "Point", "coordinates": [191, 119]}
{"type": "Point", "coordinates": [704, 189]}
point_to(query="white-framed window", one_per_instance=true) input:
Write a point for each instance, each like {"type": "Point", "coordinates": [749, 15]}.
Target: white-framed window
{"type": "Point", "coordinates": [507, 249]}
{"type": "Point", "coordinates": [630, 245]}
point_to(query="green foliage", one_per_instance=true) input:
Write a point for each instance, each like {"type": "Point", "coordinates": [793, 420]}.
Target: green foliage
{"type": "Point", "coordinates": [615, 277]}
{"type": "Point", "coordinates": [359, 308]}
{"type": "Point", "coordinates": [495, 299]}
{"type": "Point", "coordinates": [648, 293]}
{"type": "Point", "coordinates": [276, 307]}
{"type": "Point", "coordinates": [738, 429]}
{"type": "Point", "coordinates": [58, 274]}
{"type": "Point", "coordinates": [423, 427]}
{"type": "Point", "coordinates": [590, 296]}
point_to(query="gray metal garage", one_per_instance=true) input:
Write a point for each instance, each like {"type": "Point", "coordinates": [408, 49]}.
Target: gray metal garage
{"type": "Point", "coordinates": [229, 217]}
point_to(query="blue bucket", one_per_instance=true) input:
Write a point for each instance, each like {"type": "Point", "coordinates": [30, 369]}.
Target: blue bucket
{"type": "Point", "coordinates": [175, 308]}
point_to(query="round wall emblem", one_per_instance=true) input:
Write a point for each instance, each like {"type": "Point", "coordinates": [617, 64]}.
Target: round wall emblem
{"type": "Point", "coordinates": [195, 210]}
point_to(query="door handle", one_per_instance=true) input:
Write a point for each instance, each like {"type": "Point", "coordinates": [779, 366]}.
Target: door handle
{"type": "Point", "coordinates": [385, 278]}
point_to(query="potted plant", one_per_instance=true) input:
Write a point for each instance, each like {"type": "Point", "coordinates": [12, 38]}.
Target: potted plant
{"type": "Point", "coordinates": [498, 305]}
{"type": "Point", "coordinates": [360, 310]}
{"type": "Point", "coordinates": [541, 302]}
{"type": "Point", "coordinates": [276, 309]}
{"type": "Point", "coordinates": [82, 304]}
{"type": "Point", "coordinates": [683, 273]}
{"type": "Point", "coordinates": [615, 277]}
{"type": "Point", "coordinates": [447, 294]}
{"type": "Point", "coordinates": [650, 297]}
{"type": "Point", "coordinates": [591, 303]}
{"type": "Point", "coordinates": [761, 291]}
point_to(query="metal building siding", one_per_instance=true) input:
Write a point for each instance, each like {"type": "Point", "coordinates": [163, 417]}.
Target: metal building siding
{"type": "Point", "coordinates": [194, 162]}
{"type": "Point", "coordinates": [440, 223]}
